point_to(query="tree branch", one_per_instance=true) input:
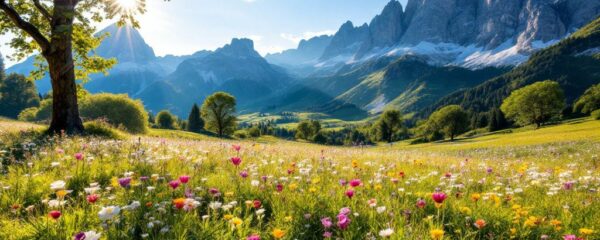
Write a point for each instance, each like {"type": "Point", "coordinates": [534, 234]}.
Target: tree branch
{"type": "Point", "coordinates": [29, 28]}
{"type": "Point", "coordinates": [42, 9]}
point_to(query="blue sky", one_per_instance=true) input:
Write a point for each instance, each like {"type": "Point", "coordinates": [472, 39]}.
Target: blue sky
{"type": "Point", "coordinates": [185, 26]}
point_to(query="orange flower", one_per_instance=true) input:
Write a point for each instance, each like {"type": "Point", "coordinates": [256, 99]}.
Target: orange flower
{"type": "Point", "coordinates": [179, 203]}
{"type": "Point", "coordinates": [278, 233]}
{"type": "Point", "coordinates": [480, 223]}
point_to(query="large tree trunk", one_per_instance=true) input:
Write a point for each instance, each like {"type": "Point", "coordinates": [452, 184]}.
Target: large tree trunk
{"type": "Point", "coordinates": [65, 111]}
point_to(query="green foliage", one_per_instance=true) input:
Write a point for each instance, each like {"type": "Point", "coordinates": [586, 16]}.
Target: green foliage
{"type": "Point", "coordinates": [596, 114]}
{"type": "Point", "coordinates": [497, 121]}
{"type": "Point", "coordinates": [2, 70]}
{"type": "Point", "coordinates": [16, 94]}
{"type": "Point", "coordinates": [589, 101]}
{"type": "Point", "coordinates": [254, 132]}
{"type": "Point", "coordinates": [388, 126]}
{"type": "Point", "coordinates": [308, 129]}
{"type": "Point", "coordinates": [218, 112]}
{"type": "Point", "coordinates": [102, 128]}
{"type": "Point", "coordinates": [451, 120]}
{"type": "Point", "coordinates": [165, 120]}
{"type": "Point", "coordinates": [195, 122]}
{"type": "Point", "coordinates": [534, 104]}
{"type": "Point", "coordinates": [117, 110]}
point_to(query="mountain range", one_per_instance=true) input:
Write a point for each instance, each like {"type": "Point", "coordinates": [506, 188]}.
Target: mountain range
{"type": "Point", "coordinates": [414, 58]}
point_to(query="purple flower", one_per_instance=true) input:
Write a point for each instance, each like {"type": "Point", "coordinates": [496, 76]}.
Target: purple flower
{"type": "Point", "coordinates": [124, 182]}
{"type": "Point", "coordinates": [326, 222]}
{"type": "Point", "coordinates": [343, 221]}
{"type": "Point", "coordinates": [79, 236]}
{"type": "Point", "coordinates": [568, 185]}
{"type": "Point", "coordinates": [244, 174]}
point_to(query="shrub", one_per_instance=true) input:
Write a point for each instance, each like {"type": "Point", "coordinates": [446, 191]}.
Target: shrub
{"type": "Point", "coordinates": [165, 120]}
{"type": "Point", "coordinates": [596, 114]}
{"type": "Point", "coordinates": [589, 101]}
{"type": "Point", "coordinates": [241, 134]}
{"type": "Point", "coordinates": [102, 129]}
{"type": "Point", "coordinates": [117, 110]}
{"type": "Point", "coordinates": [254, 132]}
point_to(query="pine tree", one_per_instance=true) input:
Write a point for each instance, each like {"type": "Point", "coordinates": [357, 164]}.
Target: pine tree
{"type": "Point", "coordinates": [195, 122]}
{"type": "Point", "coordinates": [497, 121]}
{"type": "Point", "coordinates": [2, 74]}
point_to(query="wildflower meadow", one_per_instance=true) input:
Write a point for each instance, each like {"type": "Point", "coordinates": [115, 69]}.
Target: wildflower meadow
{"type": "Point", "coordinates": [168, 188]}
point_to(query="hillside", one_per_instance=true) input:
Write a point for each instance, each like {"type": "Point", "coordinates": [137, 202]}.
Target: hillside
{"type": "Point", "coordinates": [573, 62]}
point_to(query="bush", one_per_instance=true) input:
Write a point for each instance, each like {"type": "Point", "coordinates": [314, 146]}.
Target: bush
{"type": "Point", "coordinates": [254, 132]}
{"type": "Point", "coordinates": [165, 120]}
{"type": "Point", "coordinates": [117, 110]}
{"type": "Point", "coordinates": [596, 114]}
{"type": "Point", "coordinates": [241, 134]}
{"type": "Point", "coordinates": [102, 129]}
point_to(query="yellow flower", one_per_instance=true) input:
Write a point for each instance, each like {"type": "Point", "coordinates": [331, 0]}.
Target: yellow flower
{"type": "Point", "coordinates": [586, 231]}
{"type": "Point", "coordinates": [315, 180]}
{"type": "Point", "coordinates": [378, 187]}
{"type": "Point", "coordinates": [229, 194]}
{"type": "Point", "coordinates": [475, 197]}
{"type": "Point", "coordinates": [288, 219]}
{"type": "Point", "coordinates": [312, 189]}
{"type": "Point", "coordinates": [236, 221]}
{"type": "Point", "coordinates": [293, 186]}
{"type": "Point", "coordinates": [61, 193]}
{"type": "Point", "coordinates": [114, 182]}
{"type": "Point", "coordinates": [437, 234]}
{"type": "Point", "coordinates": [556, 224]}
{"type": "Point", "coordinates": [465, 210]}
{"type": "Point", "coordinates": [228, 217]}
{"type": "Point", "coordinates": [278, 233]}
{"type": "Point", "coordinates": [354, 164]}
{"type": "Point", "coordinates": [531, 221]}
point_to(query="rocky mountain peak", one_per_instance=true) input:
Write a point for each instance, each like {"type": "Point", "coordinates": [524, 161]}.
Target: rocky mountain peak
{"type": "Point", "coordinates": [239, 47]}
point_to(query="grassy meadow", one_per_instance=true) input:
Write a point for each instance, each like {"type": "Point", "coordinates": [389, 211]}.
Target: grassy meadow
{"type": "Point", "coordinates": [523, 184]}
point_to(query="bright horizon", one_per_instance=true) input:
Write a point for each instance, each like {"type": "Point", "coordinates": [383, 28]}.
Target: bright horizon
{"type": "Point", "coordinates": [182, 27]}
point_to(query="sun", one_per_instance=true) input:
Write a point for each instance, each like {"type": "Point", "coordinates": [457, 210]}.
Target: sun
{"type": "Point", "coordinates": [128, 5]}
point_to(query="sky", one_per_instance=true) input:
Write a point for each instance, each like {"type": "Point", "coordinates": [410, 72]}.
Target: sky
{"type": "Point", "coordinates": [183, 27]}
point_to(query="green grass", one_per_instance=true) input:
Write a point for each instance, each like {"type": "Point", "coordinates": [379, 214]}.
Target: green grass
{"type": "Point", "coordinates": [520, 177]}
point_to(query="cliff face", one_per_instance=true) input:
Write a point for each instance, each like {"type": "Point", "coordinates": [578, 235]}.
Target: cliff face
{"type": "Point", "coordinates": [485, 24]}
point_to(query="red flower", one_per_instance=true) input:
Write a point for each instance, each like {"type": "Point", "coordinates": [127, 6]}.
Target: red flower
{"type": "Point", "coordinates": [184, 179]}
{"type": "Point", "coordinates": [257, 204]}
{"type": "Point", "coordinates": [174, 184]}
{"type": "Point", "coordinates": [236, 161]}
{"type": "Point", "coordinates": [54, 214]}
{"type": "Point", "coordinates": [92, 198]}
{"type": "Point", "coordinates": [350, 193]}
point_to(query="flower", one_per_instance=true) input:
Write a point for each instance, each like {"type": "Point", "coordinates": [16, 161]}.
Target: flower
{"type": "Point", "coordinates": [89, 235]}
{"type": "Point", "coordinates": [78, 156]}
{"type": "Point", "coordinates": [279, 187]}
{"type": "Point", "coordinates": [58, 185]}
{"type": "Point", "coordinates": [236, 147]}
{"type": "Point", "coordinates": [343, 221]}
{"type": "Point", "coordinates": [475, 197]}
{"type": "Point", "coordinates": [92, 198]}
{"type": "Point", "coordinates": [349, 193]}
{"type": "Point", "coordinates": [326, 222]}
{"type": "Point", "coordinates": [256, 204]}
{"type": "Point", "coordinates": [253, 237]}
{"type": "Point", "coordinates": [480, 223]}
{"type": "Point", "coordinates": [236, 221]}
{"type": "Point", "coordinates": [184, 179]}
{"type": "Point", "coordinates": [568, 185]}
{"type": "Point", "coordinates": [386, 232]}
{"type": "Point", "coordinates": [586, 231]}
{"type": "Point", "coordinates": [174, 184]}
{"type": "Point", "coordinates": [109, 212]}
{"type": "Point", "coordinates": [439, 197]}
{"type": "Point", "coordinates": [125, 182]}
{"type": "Point", "coordinates": [570, 237]}
{"type": "Point", "coordinates": [179, 203]}
{"type": "Point", "coordinates": [54, 214]}
{"type": "Point", "coordinates": [327, 234]}
{"type": "Point", "coordinates": [278, 233]}
{"type": "Point", "coordinates": [437, 234]}
{"type": "Point", "coordinates": [244, 174]}
{"type": "Point", "coordinates": [236, 161]}
{"type": "Point", "coordinates": [421, 203]}
{"type": "Point", "coordinates": [355, 182]}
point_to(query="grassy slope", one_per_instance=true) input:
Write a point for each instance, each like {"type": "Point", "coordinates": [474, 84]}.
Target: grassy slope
{"type": "Point", "coordinates": [579, 130]}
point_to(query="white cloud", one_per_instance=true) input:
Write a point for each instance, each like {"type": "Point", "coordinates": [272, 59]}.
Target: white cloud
{"type": "Point", "coordinates": [296, 38]}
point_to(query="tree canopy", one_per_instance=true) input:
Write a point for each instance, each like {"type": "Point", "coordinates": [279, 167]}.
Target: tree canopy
{"type": "Point", "coordinates": [218, 112]}
{"type": "Point", "coordinates": [534, 104]}
{"type": "Point", "coordinates": [17, 93]}
{"type": "Point", "coordinates": [195, 122]}
{"type": "Point", "coordinates": [451, 120]}
{"type": "Point", "coordinates": [165, 120]}
{"type": "Point", "coordinates": [388, 125]}
{"type": "Point", "coordinates": [589, 101]}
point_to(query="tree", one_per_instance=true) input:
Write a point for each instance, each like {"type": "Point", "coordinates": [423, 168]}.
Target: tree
{"type": "Point", "coordinates": [63, 32]}
{"type": "Point", "coordinates": [17, 94]}
{"type": "Point", "coordinates": [195, 122]}
{"type": "Point", "coordinates": [165, 120]}
{"type": "Point", "coordinates": [218, 112]}
{"type": "Point", "coordinates": [451, 120]}
{"type": "Point", "coordinates": [589, 101]}
{"type": "Point", "coordinates": [497, 121]}
{"type": "Point", "coordinates": [308, 129]}
{"type": "Point", "coordinates": [389, 125]}
{"type": "Point", "coordinates": [534, 104]}
{"type": "Point", "coordinates": [1, 67]}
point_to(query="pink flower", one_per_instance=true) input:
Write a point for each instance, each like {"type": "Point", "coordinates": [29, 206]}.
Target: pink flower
{"type": "Point", "coordinates": [79, 156]}
{"type": "Point", "coordinates": [327, 234]}
{"type": "Point", "coordinates": [253, 237]}
{"type": "Point", "coordinates": [244, 174]}
{"type": "Point", "coordinates": [279, 187]}
{"type": "Point", "coordinates": [350, 193]}
{"type": "Point", "coordinates": [570, 237]}
{"type": "Point", "coordinates": [568, 185]}
{"type": "Point", "coordinates": [326, 222]}
{"type": "Point", "coordinates": [343, 221]}
{"type": "Point", "coordinates": [345, 211]}
{"type": "Point", "coordinates": [92, 198]}
{"type": "Point", "coordinates": [439, 197]}
{"type": "Point", "coordinates": [174, 184]}
{"type": "Point", "coordinates": [236, 147]}
{"type": "Point", "coordinates": [421, 203]}
{"type": "Point", "coordinates": [184, 179]}
{"type": "Point", "coordinates": [236, 161]}
{"type": "Point", "coordinates": [343, 182]}
{"type": "Point", "coordinates": [355, 182]}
